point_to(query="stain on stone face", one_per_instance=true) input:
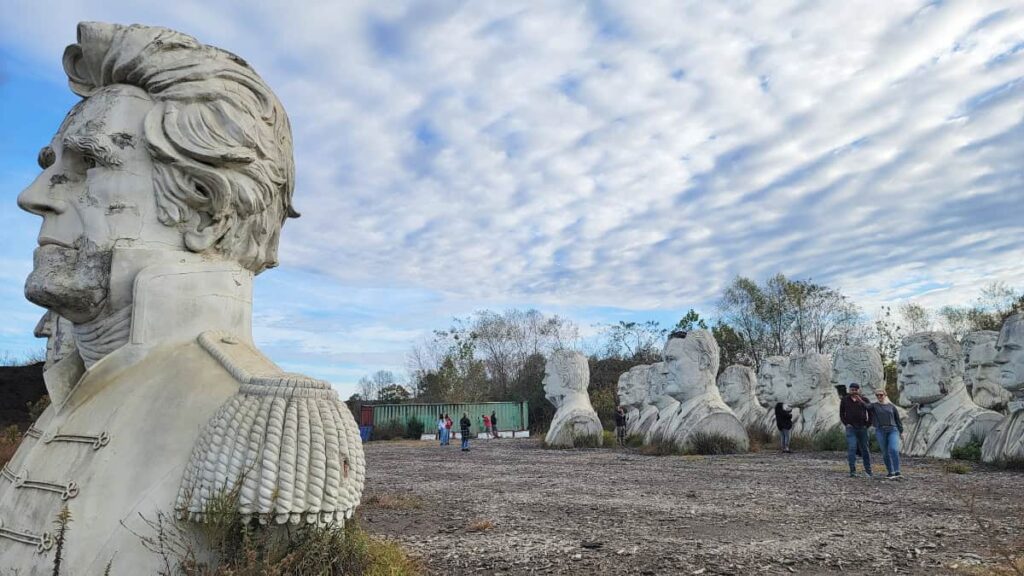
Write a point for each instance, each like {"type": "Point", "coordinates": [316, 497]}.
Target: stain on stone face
{"type": "Point", "coordinates": [58, 179]}
{"type": "Point", "coordinates": [123, 140]}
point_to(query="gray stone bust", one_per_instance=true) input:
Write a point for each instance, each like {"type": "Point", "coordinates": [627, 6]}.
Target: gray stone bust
{"type": "Point", "coordinates": [161, 195]}
{"type": "Point", "coordinates": [1006, 441]}
{"type": "Point", "coordinates": [981, 373]}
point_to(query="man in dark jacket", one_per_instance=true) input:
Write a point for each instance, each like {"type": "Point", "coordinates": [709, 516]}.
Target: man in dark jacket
{"type": "Point", "coordinates": [856, 417]}
{"type": "Point", "coordinates": [464, 425]}
{"type": "Point", "coordinates": [620, 425]}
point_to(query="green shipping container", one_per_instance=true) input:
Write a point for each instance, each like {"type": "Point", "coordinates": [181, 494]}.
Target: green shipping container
{"type": "Point", "coordinates": [511, 415]}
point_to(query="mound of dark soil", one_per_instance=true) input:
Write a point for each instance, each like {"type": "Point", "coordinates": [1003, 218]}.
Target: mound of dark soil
{"type": "Point", "coordinates": [20, 386]}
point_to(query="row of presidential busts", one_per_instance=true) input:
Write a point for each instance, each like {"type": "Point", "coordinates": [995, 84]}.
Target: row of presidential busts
{"type": "Point", "coordinates": [949, 390]}
{"type": "Point", "coordinates": [675, 400]}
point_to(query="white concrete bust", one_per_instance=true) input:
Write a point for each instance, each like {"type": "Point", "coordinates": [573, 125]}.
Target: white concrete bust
{"type": "Point", "coordinates": [738, 386]}
{"type": "Point", "coordinates": [161, 195]}
{"type": "Point", "coordinates": [649, 375]}
{"type": "Point", "coordinates": [1006, 441]}
{"type": "Point", "coordinates": [809, 388]}
{"type": "Point", "coordinates": [981, 374]}
{"type": "Point", "coordinates": [566, 379]}
{"type": "Point", "coordinates": [861, 365]}
{"type": "Point", "coordinates": [632, 389]}
{"type": "Point", "coordinates": [690, 368]}
{"type": "Point", "coordinates": [772, 385]}
{"type": "Point", "coordinates": [931, 380]}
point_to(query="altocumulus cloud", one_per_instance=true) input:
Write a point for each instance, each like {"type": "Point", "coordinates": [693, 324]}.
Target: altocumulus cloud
{"type": "Point", "coordinates": [638, 155]}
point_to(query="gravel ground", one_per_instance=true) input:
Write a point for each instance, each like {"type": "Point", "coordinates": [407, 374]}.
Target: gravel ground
{"type": "Point", "coordinates": [614, 511]}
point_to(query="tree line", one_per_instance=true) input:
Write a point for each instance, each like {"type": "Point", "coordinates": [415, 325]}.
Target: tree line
{"type": "Point", "coordinates": [500, 356]}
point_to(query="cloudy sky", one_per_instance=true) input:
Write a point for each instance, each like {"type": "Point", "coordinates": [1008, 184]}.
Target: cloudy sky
{"type": "Point", "coordinates": [601, 160]}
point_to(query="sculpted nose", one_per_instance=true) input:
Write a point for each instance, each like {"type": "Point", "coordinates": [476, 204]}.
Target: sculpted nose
{"type": "Point", "coordinates": [35, 199]}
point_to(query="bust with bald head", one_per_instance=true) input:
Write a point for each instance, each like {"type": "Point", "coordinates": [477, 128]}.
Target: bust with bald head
{"type": "Point", "coordinates": [931, 379]}
{"type": "Point", "coordinates": [1006, 441]}
{"type": "Point", "coordinates": [566, 379]}
{"type": "Point", "coordinates": [161, 196]}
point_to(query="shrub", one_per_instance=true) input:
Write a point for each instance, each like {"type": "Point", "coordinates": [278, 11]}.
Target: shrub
{"type": "Point", "coordinates": [10, 439]}
{"type": "Point", "coordinates": [833, 440]}
{"type": "Point", "coordinates": [956, 468]}
{"type": "Point", "coordinates": [801, 442]}
{"type": "Point", "coordinates": [710, 443]}
{"type": "Point", "coordinates": [634, 440]}
{"type": "Point", "coordinates": [414, 428]}
{"type": "Point", "coordinates": [1010, 464]}
{"type": "Point", "coordinates": [389, 431]}
{"type": "Point", "coordinates": [608, 439]}
{"type": "Point", "coordinates": [589, 441]}
{"type": "Point", "coordinates": [661, 447]}
{"type": "Point", "coordinates": [970, 451]}
{"type": "Point", "coordinates": [759, 437]}
{"type": "Point", "coordinates": [35, 409]}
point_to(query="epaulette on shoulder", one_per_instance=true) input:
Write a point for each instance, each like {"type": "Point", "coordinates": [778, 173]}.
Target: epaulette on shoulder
{"type": "Point", "coordinates": [285, 446]}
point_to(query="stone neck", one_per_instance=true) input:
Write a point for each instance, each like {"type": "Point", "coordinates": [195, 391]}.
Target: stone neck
{"type": "Point", "coordinates": [97, 338]}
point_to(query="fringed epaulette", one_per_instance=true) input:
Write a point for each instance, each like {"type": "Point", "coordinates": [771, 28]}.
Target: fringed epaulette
{"type": "Point", "coordinates": [285, 446]}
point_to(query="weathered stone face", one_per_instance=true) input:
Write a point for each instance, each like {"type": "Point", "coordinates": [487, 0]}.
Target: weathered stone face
{"type": "Point", "coordinates": [809, 377]}
{"type": "Point", "coordinates": [981, 374]}
{"type": "Point", "coordinates": [930, 367]}
{"type": "Point", "coordinates": [566, 374]}
{"type": "Point", "coordinates": [690, 365]}
{"type": "Point", "coordinates": [772, 380]}
{"type": "Point", "coordinates": [737, 384]}
{"type": "Point", "coordinates": [632, 387]}
{"type": "Point", "coordinates": [1010, 353]}
{"type": "Point", "coordinates": [861, 365]}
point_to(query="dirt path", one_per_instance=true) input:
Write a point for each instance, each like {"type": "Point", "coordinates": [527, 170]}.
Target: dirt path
{"type": "Point", "coordinates": [618, 512]}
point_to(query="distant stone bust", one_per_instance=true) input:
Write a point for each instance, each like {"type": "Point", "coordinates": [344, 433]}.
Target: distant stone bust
{"type": "Point", "coordinates": [943, 416]}
{"type": "Point", "coordinates": [566, 379]}
{"type": "Point", "coordinates": [653, 384]}
{"type": "Point", "coordinates": [772, 385]}
{"type": "Point", "coordinates": [809, 388]}
{"type": "Point", "coordinates": [632, 390]}
{"type": "Point", "coordinates": [738, 386]}
{"type": "Point", "coordinates": [861, 365]}
{"type": "Point", "coordinates": [981, 374]}
{"type": "Point", "coordinates": [163, 192]}
{"type": "Point", "coordinates": [690, 368]}
{"type": "Point", "coordinates": [1006, 441]}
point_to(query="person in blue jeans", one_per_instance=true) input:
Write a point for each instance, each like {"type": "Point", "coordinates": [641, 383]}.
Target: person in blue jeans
{"type": "Point", "coordinates": [888, 430]}
{"type": "Point", "coordinates": [856, 417]}
{"type": "Point", "coordinates": [441, 430]}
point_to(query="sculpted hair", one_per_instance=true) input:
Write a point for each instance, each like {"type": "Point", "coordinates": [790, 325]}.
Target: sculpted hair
{"type": "Point", "coordinates": [704, 343]}
{"type": "Point", "coordinates": [943, 346]}
{"type": "Point", "coordinates": [572, 369]}
{"type": "Point", "coordinates": [974, 339]}
{"type": "Point", "coordinates": [220, 139]}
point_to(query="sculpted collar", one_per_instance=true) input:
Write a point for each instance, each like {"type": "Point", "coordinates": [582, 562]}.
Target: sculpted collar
{"type": "Point", "coordinates": [172, 304]}
{"type": "Point", "coordinates": [949, 404]}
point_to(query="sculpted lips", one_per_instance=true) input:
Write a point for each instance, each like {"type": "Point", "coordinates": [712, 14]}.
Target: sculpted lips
{"type": "Point", "coordinates": [50, 241]}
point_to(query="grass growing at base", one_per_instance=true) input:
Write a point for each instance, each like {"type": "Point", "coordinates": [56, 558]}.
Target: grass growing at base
{"type": "Point", "coordinates": [956, 468]}
{"type": "Point", "coordinates": [661, 447]}
{"type": "Point", "coordinates": [970, 451]}
{"type": "Point", "coordinates": [759, 438]}
{"type": "Point", "coordinates": [711, 444]}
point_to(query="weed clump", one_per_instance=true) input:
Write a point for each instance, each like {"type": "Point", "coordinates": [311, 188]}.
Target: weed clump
{"type": "Point", "coordinates": [970, 451]}
{"type": "Point", "coordinates": [710, 443]}
{"type": "Point", "coordinates": [760, 438]}
{"type": "Point", "coordinates": [390, 431]}
{"type": "Point", "coordinates": [956, 468]}
{"type": "Point", "coordinates": [10, 439]}
{"type": "Point", "coordinates": [414, 429]}
{"type": "Point", "coordinates": [480, 525]}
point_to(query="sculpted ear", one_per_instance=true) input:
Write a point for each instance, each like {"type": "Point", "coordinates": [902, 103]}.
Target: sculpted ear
{"type": "Point", "coordinates": [705, 361]}
{"type": "Point", "coordinates": [202, 233]}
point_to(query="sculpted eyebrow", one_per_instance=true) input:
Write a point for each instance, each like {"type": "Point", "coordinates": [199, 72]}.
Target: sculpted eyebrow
{"type": "Point", "coordinates": [90, 145]}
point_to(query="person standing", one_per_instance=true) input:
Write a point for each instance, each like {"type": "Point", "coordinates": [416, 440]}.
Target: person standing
{"type": "Point", "coordinates": [856, 417]}
{"type": "Point", "coordinates": [448, 424]}
{"type": "Point", "coordinates": [487, 425]}
{"type": "Point", "coordinates": [784, 422]}
{"type": "Point", "coordinates": [888, 430]}
{"type": "Point", "coordinates": [494, 423]}
{"type": "Point", "coordinates": [620, 425]}
{"type": "Point", "coordinates": [464, 424]}
{"type": "Point", "coordinates": [441, 430]}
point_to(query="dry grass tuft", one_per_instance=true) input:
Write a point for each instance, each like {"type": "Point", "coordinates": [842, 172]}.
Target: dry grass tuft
{"type": "Point", "coordinates": [480, 525]}
{"type": "Point", "coordinates": [10, 439]}
{"type": "Point", "coordinates": [956, 468]}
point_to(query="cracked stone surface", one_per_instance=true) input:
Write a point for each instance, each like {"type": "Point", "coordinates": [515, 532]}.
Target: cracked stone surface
{"type": "Point", "coordinates": [615, 511]}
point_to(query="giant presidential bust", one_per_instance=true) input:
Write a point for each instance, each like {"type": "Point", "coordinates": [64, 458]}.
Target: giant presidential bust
{"type": "Point", "coordinates": [1006, 441]}
{"type": "Point", "coordinates": [931, 379]}
{"type": "Point", "coordinates": [689, 369]}
{"type": "Point", "coordinates": [162, 194]}
{"type": "Point", "coordinates": [575, 423]}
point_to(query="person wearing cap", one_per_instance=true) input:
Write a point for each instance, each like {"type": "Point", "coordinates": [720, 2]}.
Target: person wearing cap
{"type": "Point", "coordinates": [888, 428]}
{"type": "Point", "coordinates": [856, 417]}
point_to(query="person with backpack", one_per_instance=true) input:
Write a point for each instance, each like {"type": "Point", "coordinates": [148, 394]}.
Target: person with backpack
{"type": "Point", "coordinates": [464, 425]}
{"type": "Point", "coordinates": [784, 422]}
